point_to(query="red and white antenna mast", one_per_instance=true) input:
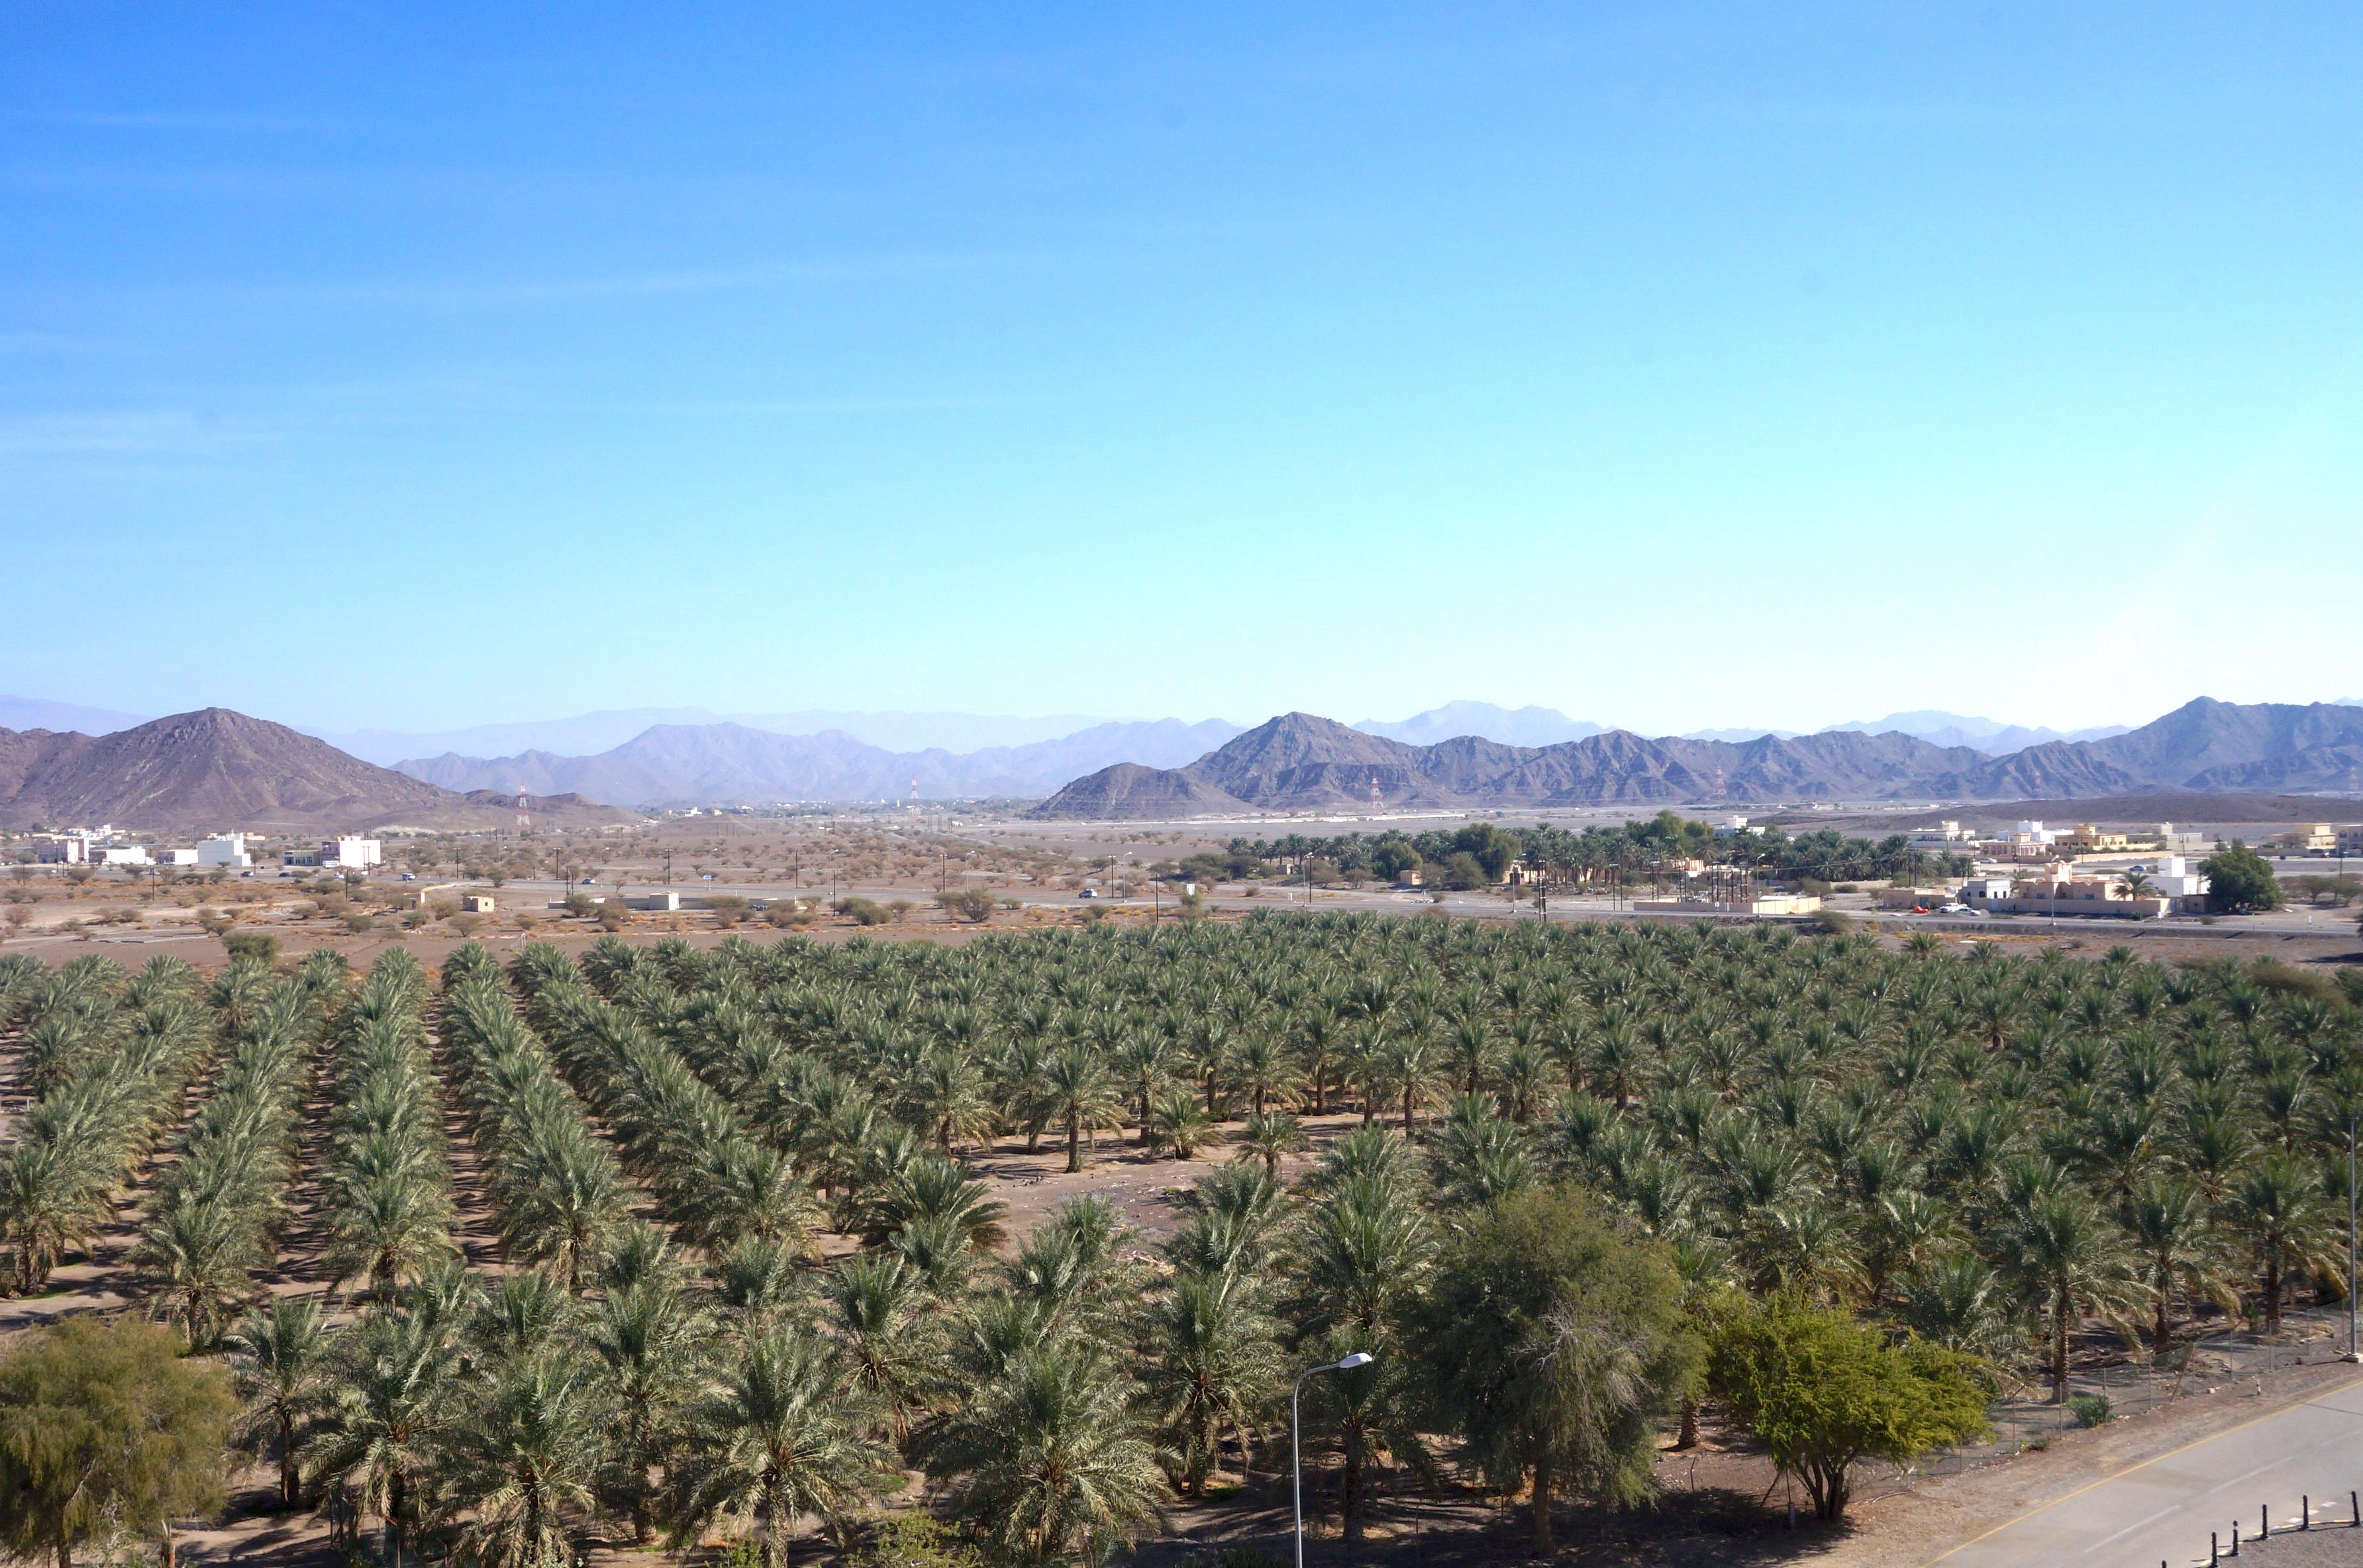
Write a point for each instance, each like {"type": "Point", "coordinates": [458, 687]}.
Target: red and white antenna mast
{"type": "Point", "coordinates": [525, 815]}
{"type": "Point", "coordinates": [1375, 794]}
{"type": "Point", "coordinates": [915, 793]}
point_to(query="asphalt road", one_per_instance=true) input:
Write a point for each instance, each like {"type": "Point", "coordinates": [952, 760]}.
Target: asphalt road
{"type": "Point", "coordinates": [2160, 1511]}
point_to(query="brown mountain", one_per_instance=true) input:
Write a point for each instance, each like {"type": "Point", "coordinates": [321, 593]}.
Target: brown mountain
{"type": "Point", "coordinates": [215, 770]}
{"type": "Point", "coordinates": [1299, 763]}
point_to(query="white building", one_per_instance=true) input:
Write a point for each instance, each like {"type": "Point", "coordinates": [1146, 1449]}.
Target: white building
{"type": "Point", "coordinates": [224, 849]}
{"type": "Point", "coordinates": [176, 857]}
{"type": "Point", "coordinates": [122, 855]}
{"type": "Point", "coordinates": [2174, 878]}
{"type": "Point", "coordinates": [352, 854]}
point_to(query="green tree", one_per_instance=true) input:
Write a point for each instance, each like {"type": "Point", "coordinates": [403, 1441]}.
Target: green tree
{"type": "Point", "coordinates": [103, 1425]}
{"type": "Point", "coordinates": [2240, 881]}
{"type": "Point", "coordinates": [1822, 1393]}
{"type": "Point", "coordinates": [1553, 1341]}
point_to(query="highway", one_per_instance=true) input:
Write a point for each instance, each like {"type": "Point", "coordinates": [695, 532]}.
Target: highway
{"type": "Point", "coordinates": [2160, 1510]}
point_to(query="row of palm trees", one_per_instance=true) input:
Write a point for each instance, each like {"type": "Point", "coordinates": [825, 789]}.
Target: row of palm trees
{"type": "Point", "coordinates": [389, 1203]}
{"type": "Point", "coordinates": [555, 1187]}
{"type": "Point", "coordinates": [108, 1059]}
{"type": "Point", "coordinates": [218, 1214]}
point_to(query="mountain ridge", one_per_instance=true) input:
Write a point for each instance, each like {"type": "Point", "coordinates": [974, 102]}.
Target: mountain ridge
{"type": "Point", "coordinates": [217, 769]}
{"type": "Point", "coordinates": [1298, 762]}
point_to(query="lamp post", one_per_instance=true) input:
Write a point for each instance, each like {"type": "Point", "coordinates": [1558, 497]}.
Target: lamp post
{"type": "Point", "coordinates": [1296, 1451]}
{"type": "Point", "coordinates": [2352, 1114]}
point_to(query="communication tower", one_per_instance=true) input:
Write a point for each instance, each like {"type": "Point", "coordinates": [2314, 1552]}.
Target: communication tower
{"type": "Point", "coordinates": [525, 814]}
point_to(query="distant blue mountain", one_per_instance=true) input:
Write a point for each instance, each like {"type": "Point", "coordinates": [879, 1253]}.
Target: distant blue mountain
{"type": "Point", "coordinates": [35, 714]}
{"type": "Point", "coordinates": [1939, 728]}
{"type": "Point", "coordinates": [1510, 726]}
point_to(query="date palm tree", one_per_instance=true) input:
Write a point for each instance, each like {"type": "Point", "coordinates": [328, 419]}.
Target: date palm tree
{"type": "Point", "coordinates": [392, 1220]}
{"type": "Point", "coordinates": [1218, 1367]}
{"type": "Point", "coordinates": [524, 1459]}
{"type": "Point", "coordinates": [650, 1343]}
{"type": "Point", "coordinates": [2071, 1259]}
{"type": "Point", "coordinates": [1078, 1094]}
{"type": "Point", "coordinates": [196, 1257]}
{"type": "Point", "coordinates": [880, 1310]}
{"type": "Point", "coordinates": [387, 1410]}
{"type": "Point", "coordinates": [784, 1435]}
{"type": "Point", "coordinates": [570, 1202]}
{"type": "Point", "coordinates": [1262, 1068]}
{"type": "Point", "coordinates": [279, 1361]}
{"type": "Point", "coordinates": [1270, 1138]}
{"type": "Point", "coordinates": [2181, 1253]}
{"type": "Point", "coordinates": [1053, 1460]}
{"type": "Point", "coordinates": [2278, 1202]}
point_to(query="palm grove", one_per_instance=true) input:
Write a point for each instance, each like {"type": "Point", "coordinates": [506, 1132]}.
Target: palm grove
{"type": "Point", "coordinates": [1591, 1177]}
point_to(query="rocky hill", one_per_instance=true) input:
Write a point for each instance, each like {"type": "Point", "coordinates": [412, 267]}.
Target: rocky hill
{"type": "Point", "coordinates": [1299, 763]}
{"type": "Point", "coordinates": [217, 769]}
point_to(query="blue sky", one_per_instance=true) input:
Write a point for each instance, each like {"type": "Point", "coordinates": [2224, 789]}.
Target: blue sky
{"type": "Point", "coordinates": [1671, 366]}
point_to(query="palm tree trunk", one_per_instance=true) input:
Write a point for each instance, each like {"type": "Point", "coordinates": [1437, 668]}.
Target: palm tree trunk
{"type": "Point", "coordinates": [1075, 1143]}
{"type": "Point", "coordinates": [2059, 1349]}
{"type": "Point", "coordinates": [2272, 1290]}
{"type": "Point", "coordinates": [286, 1458]}
{"type": "Point", "coordinates": [1542, 1504]}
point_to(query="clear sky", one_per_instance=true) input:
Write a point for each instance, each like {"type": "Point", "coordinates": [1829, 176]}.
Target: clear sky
{"type": "Point", "coordinates": [1672, 366]}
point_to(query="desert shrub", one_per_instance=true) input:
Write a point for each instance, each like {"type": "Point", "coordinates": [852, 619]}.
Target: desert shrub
{"type": "Point", "coordinates": [258, 945]}
{"type": "Point", "coordinates": [357, 922]}
{"type": "Point", "coordinates": [973, 905]}
{"type": "Point", "coordinates": [863, 912]}
{"type": "Point", "coordinates": [729, 909]}
{"type": "Point", "coordinates": [2091, 1410]}
{"type": "Point", "coordinates": [1831, 923]}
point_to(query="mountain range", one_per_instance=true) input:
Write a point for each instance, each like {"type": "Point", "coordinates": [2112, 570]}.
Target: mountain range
{"type": "Point", "coordinates": [1299, 763]}
{"type": "Point", "coordinates": [732, 764]}
{"type": "Point", "coordinates": [585, 734]}
{"type": "Point", "coordinates": [215, 770]}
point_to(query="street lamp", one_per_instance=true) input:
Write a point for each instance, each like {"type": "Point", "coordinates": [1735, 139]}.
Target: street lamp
{"type": "Point", "coordinates": [2352, 1114]}
{"type": "Point", "coordinates": [1295, 1453]}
